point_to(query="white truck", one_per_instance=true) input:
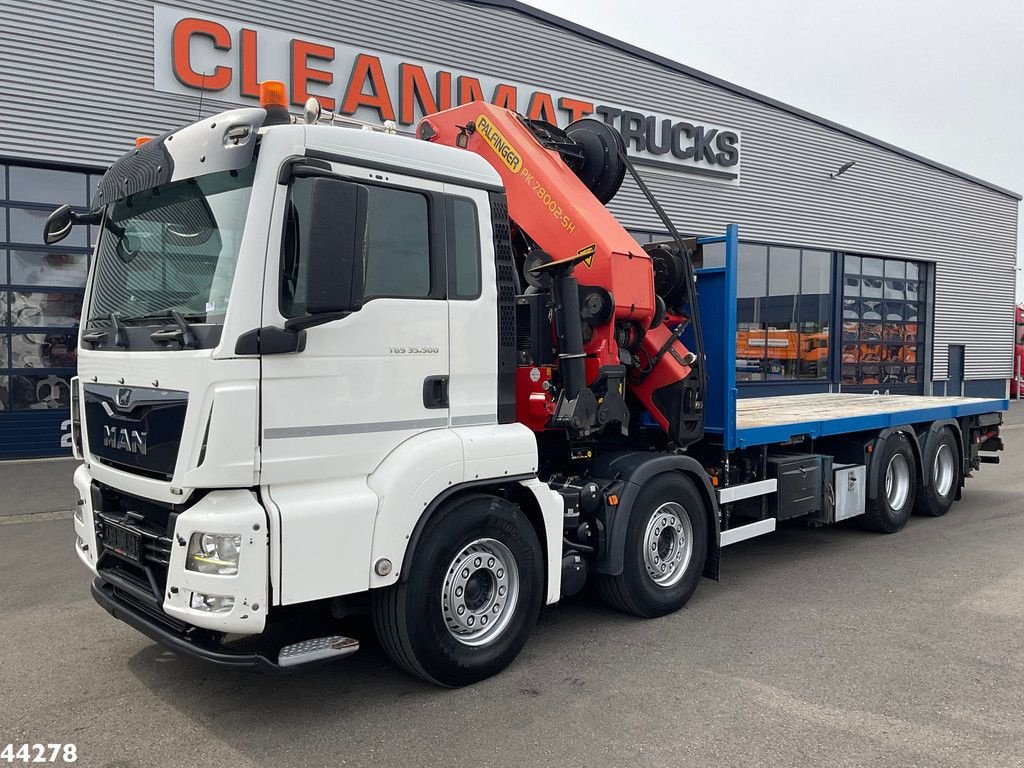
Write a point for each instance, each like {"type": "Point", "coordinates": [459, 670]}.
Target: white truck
{"type": "Point", "coordinates": [325, 371]}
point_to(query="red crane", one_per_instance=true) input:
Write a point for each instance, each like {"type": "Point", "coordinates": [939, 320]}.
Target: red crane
{"type": "Point", "coordinates": [618, 309]}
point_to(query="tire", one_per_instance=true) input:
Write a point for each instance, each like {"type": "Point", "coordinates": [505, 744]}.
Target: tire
{"type": "Point", "coordinates": [418, 620]}
{"type": "Point", "coordinates": [637, 590]}
{"type": "Point", "coordinates": [895, 486]}
{"type": "Point", "coordinates": [942, 461]}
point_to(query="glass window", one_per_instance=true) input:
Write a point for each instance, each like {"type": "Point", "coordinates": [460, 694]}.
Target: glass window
{"type": "Point", "coordinates": [56, 268]}
{"type": "Point", "coordinates": [44, 308]}
{"type": "Point", "coordinates": [397, 244]}
{"type": "Point", "coordinates": [751, 303]}
{"type": "Point", "coordinates": [27, 228]}
{"type": "Point", "coordinates": [782, 347]}
{"type": "Point", "coordinates": [44, 185]}
{"type": "Point", "coordinates": [47, 349]}
{"type": "Point", "coordinates": [39, 391]}
{"type": "Point", "coordinates": [464, 258]}
{"type": "Point", "coordinates": [172, 248]}
{"type": "Point", "coordinates": [871, 267]}
{"type": "Point", "coordinates": [5, 386]}
{"type": "Point", "coordinates": [883, 349]}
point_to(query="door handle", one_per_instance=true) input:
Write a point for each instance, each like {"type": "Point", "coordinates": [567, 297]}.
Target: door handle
{"type": "Point", "coordinates": [435, 392]}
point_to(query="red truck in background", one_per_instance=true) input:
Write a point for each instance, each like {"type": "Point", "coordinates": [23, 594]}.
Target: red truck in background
{"type": "Point", "coordinates": [1017, 382]}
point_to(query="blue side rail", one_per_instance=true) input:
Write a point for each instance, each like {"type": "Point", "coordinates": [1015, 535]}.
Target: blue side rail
{"type": "Point", "coordinates": [716, 299]}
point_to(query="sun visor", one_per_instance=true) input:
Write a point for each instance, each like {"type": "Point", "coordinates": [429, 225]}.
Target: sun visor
{"type": "Point", "coordinates": [224, 142]}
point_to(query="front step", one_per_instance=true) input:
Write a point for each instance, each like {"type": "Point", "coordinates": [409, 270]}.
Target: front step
{"type": "Point", "coordinates": [317, 649]}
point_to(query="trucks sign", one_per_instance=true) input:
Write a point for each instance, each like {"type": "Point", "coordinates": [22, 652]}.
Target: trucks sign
{"type": "Point", "coordinates": [226, 60]}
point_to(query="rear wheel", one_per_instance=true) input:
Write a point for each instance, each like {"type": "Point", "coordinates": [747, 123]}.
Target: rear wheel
{"type": "Point", "coordinates": [943, 463]}
{"type": "Point", "coordinates": [666, 544]}
{"type": "Point", "coordinates": [895, 486]}
{"type": "Point", "coordinates": [474, 590]}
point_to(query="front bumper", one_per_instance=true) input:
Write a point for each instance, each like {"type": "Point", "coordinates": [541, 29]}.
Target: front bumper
{"type": "Point", "coordinates": [157, 576]}
{"type": "Point", "coordinates": [188, 641]}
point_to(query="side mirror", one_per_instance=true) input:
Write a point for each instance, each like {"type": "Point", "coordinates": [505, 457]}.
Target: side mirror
{"type": "Point", "coordinates": [336, 247]}
{"type": "Point", "coordinates": [58, 225]}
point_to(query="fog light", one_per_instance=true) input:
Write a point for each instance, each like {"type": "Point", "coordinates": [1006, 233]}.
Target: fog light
{"type": "Point", "coordinates": [78, 511]}
{"type": "Point", "coordinates": [211, 603]}
{"type": "Point", "coordinates": [214, 553]}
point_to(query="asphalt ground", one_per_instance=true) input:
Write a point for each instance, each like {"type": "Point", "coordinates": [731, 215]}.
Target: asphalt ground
{"type": "Point", "coordinates": [818, 647]}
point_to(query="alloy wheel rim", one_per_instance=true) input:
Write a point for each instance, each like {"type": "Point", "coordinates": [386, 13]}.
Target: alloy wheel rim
{"type": "Point", "coordinates": [943, 470]}
{"type": "Point", "coordinates": [480, 592]}
{"type": "Point", "coordinates": [897, 482]}
{"type": "Point", "coordinates": [668, 544]}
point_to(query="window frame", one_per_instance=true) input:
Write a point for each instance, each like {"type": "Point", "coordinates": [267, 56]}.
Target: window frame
{"type": "Point", "coordinates": [451, 265]}
{"type": "Point", "coordinates": [436, 236]}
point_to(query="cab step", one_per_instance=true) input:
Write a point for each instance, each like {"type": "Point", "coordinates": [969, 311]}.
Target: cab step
{"type": "Point", "coordinates": [317, 649]}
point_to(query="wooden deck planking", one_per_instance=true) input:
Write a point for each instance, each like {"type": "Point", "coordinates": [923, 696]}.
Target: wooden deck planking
{"type": "Point", "coordinates": [753, 412]}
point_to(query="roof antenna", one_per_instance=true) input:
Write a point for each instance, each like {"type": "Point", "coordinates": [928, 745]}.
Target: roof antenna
{"type": "Point", "coordinates": [202, 90]}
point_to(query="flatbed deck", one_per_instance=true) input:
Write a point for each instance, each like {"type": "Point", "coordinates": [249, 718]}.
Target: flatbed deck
{"type": "Point", "coordinates": [765, 420]}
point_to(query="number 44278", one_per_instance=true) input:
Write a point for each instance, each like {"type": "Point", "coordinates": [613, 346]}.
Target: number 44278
{"type": "Point", "coordinates": [39, 753]}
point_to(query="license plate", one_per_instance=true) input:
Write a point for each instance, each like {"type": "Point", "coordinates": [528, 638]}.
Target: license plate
{"type": "Point", "coordinates": [123, 541]}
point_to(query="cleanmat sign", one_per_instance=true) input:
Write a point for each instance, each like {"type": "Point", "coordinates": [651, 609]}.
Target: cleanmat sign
{"type": "Point", "coordinates": [226, 59]}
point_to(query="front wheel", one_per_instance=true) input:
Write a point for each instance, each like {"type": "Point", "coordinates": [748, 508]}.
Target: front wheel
{"type": "Point", "coordinates": [666, 545]}
{"type": "Point", "coordinates": [474, 588]}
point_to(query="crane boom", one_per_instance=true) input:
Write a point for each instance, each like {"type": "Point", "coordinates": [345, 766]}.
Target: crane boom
{"type": "Point", "coordinates": [568, 242]}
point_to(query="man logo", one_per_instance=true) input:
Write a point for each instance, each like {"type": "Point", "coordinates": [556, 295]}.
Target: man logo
{"type": "Point", "coordinates": [124, 396]}
{"type": "Point", "coordinates": [121, 439]}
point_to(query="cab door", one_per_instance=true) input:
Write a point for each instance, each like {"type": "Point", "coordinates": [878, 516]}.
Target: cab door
{"type": "Point", "coordinates": [363, 384]}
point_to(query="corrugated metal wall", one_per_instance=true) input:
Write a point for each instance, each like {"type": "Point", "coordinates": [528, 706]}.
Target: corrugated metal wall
{"type": "Point", "coordinates": [93, 61]}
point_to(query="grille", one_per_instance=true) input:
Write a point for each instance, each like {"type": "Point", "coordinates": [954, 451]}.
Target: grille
{"type": "Point", "coordinates": [145, 580]}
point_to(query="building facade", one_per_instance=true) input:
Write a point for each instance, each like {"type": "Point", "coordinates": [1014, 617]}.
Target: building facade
{"type": "Point", "coordinates": [896, 274]}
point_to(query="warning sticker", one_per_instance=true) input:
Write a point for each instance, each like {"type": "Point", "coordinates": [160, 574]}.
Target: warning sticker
{"type": "Point", "coordinates": [496, 141]}
{"type": "Point", "coordinates": [589, 252]}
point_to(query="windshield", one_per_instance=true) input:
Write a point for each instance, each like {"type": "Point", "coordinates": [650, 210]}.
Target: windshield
{"type": "Point", "coordinates": [172, 247]}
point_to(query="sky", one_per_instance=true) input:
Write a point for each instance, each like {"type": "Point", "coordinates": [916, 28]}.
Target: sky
{"type": "Point", "coordinates": [942, 78]}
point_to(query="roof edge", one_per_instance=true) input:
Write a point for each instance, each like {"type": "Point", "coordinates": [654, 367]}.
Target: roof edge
{"type": "Point", "coordinates": [600, 37]}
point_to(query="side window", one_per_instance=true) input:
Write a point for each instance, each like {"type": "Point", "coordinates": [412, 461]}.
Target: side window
{"type": "Point", "coordinates": [463, 249]}
{"type": "Point", "coordinates": [397, 245]}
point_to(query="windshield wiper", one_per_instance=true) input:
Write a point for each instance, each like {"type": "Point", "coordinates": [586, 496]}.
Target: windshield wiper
{"type": "Point", "coordinates": [165, 314]}
{"type": "Point", "coordinates": [96, 337]}
{"type": "Point", "coordinates": [183, 334]}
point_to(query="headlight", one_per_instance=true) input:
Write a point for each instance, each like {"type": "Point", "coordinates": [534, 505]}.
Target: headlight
{"type": "Point", "coordinates": [214, 553]}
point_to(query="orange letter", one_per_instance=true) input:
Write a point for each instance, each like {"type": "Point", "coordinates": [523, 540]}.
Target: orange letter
{"type": "Point", "coordinates": [181, 41]}
{"type": "Point", "coordinates": [469, 90]}
{"type": "Point", "coordinates": [542, 108]}
{"type": "Point", "coordinates": [250, 84]}
{"type": "Point", "coordinates": [577, 109]}
{"type": "Point", "coordinates": [378, 98]}
{"type": "Point", "coordinates": [413, 85]}
{"type": "Point", "coordinates": [302, 73]}
{"type": "Point", "coordinates": [505, 96]}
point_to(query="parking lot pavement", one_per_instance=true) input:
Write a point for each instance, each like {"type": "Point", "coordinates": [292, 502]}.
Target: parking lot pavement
{"type": "Point", "coordinates": [826, 647]}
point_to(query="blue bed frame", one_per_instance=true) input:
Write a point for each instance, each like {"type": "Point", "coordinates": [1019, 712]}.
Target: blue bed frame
{"type": "Point", "coordinates": [716, 296]}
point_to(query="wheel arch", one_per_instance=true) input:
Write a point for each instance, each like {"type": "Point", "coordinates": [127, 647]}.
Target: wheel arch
{"type": "Point", "coordinates": [513, 489]}
{"type": "Point", "coordinates": [634, 469]}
